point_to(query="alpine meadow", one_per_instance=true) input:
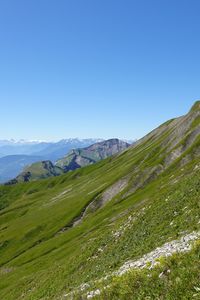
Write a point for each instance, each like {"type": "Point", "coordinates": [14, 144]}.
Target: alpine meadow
{"type": "Point", "coordinates": [99, 150]}
{"type": "Point", "coordinates": [127, 227]}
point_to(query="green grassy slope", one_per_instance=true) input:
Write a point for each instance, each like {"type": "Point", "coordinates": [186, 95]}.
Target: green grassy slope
{"type": "Point", "coordinates": [176, 277]}
{"type": "Point", "coordinates": [155, 183]}
{"type": "Point", "coordinates": [38, 170]}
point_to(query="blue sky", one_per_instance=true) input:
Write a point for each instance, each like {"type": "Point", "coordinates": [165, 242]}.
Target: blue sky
{"type": "Point", "coordinates": [96, 68]}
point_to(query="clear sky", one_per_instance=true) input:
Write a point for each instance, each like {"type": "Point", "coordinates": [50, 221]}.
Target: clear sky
{"type": "Point", "coordinates": [96, 68]}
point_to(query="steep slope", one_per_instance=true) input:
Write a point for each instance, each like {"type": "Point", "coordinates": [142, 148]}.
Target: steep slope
{"type": "Point", "coordinates": [78, 158]}
{"type": "Point", "coordinates": [12, 165]}
{"type": "Point", "coordinates": [60, 236]}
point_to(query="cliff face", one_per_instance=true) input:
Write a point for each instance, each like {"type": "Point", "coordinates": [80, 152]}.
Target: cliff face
{"type": "Point", "coordinates": [78, 158]}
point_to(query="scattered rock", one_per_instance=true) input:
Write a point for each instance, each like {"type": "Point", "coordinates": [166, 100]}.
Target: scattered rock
{"type": "Point", "coordinates": [93, 294]}
{"type": "Point", "coordinates": [182, 245]}
{"type": "Point", "coordinates": [149, 260]}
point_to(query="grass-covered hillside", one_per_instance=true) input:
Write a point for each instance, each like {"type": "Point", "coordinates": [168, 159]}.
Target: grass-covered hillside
{"type": "Point", "coordinates": [57, 234]}
{"type": "Point", "coordinates": [38, 170]}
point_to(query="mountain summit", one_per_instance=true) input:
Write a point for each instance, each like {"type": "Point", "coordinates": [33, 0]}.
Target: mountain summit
{"type": "Point", "coordinates": [78, 158]}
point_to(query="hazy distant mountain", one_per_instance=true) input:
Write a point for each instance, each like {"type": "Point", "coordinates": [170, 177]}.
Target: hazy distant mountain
{"type": "Point", "coordinates": [76, 158]}
{"type": "Point", "coordinates": [48, 150]}
{"type": "Point", "coordinates": [11, 165]}
{"type": "Point", "coordinates": [15, 155]}
{"type": "Point", "coordinates": [15, 148]}
{"type": "Point", "coordinates": [57, 150]}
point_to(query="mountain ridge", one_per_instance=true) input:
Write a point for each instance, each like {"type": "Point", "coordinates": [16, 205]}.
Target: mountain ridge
{"type": "Point", "coordinates": [43, 150]}
{"type": "Point", "coordinates": [81, 157]}
{"type": "Point", "coordinates": [76, 158]}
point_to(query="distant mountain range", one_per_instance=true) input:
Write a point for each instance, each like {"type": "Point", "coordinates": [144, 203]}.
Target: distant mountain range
{"type": "Point", "coordinates": [75, 159]}
{"type": "Point", "coordinates": [15, 155]}
{"type": "Point", "coordinates": [11, 165]}
{"type": "Point", "coordinates": [48, 150]}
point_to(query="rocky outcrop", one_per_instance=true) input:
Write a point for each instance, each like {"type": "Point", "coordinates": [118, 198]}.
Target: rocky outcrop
{"type": "Point", "coordinates": [78, 158]}
{"type": "Point", "coordinates": [152, 259]}
{"type": "Point", "coordinates": [149, 260]}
